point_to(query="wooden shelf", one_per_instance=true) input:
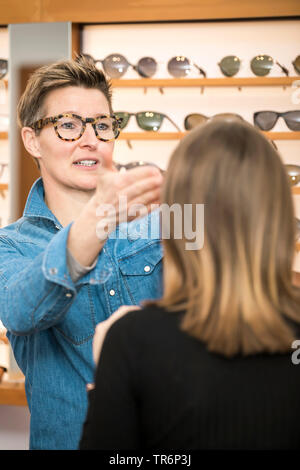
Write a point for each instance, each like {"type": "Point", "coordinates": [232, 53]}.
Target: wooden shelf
{"type": "Point", "coordinates": [151, 135]}
{"type": "Point", "coordinates": [296, 190]}
{"type": "Point", "coordinates": [12, 393]}
{"type": "Point", "coordinates": [3, 135]}
{"type": "Point", "coordinates": [203, 82]}
{"type": "Point", "coordinates": [298, 246]}
{"type": "Point", "coordinates": [3, 188]}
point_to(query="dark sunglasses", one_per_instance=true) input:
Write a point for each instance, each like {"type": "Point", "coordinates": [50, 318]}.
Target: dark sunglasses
{"type": "Point", "coordinates": [116, 65]}
{"type": "Point", "coordinates": [146, 120]}
{"type": "Point", "coordinates": [193, 120]}
{"type": "Point", "coordinates": [180, 66]}
{"type": "Point", "coordinates": [293, 172]}
{"type": "Point", "coordinates": [296, 64]}
{"type": "Point", "coordinates": [131, 165]}
{"type": "Point", "coordinates": [3, 67]}
{"type": "Point", "coordinates": [261, 65]}
{"type": "Point", "coordinates": [266, 120]}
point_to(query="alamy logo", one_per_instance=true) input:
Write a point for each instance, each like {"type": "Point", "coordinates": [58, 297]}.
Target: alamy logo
{"type": "Point", "coordinates": [296, 354]}
{"type": "Point", "coordinates": [177, 221]}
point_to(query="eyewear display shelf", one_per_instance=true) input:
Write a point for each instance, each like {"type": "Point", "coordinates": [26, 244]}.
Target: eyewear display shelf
{"type": "Point", "coordinates": [202, 83]}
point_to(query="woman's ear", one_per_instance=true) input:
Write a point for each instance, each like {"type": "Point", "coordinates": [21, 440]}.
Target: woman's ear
{"type": "Point", "coordinates": [31, 141]}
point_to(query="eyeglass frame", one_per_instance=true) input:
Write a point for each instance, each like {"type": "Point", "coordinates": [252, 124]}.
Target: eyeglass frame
{"type": "Point", "coordinates": [41, 123]}
{"type": "Point", "coordinates": [156, 112]}
{"type": "Point", "coordinates": [278, 115]}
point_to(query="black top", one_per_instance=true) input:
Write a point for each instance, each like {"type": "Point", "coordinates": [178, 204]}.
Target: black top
{"type": "Point", "coordinates": [159, 388]}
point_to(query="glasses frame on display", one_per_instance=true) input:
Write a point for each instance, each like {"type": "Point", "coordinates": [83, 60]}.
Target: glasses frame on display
{"type": "Point", "coordinates": [261, 71]}
{"type": "Point", "coordinates": [41, 123]}
{"type": "Point", "coordinates": [203, 118]}
{"type": "Point", "coordinates": [138, 115]}
{"type": "Point", "coordinates": [178, 66]}
{"type": "Point", "coordinates": [116, 58]}
{"type": "Point", "coordinates": [135, 164]}
{"type": "Point", "coordinates": [186, 67]}
{"type": "Point", "coordinates": [276, 115]}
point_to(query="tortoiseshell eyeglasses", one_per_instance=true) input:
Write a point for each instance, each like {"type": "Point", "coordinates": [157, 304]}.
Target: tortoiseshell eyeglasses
{"type": "Point", "coordinates": [70, 127]}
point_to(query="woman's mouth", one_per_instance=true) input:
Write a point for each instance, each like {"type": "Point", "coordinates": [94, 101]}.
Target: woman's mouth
{"type": "Point", "coordinates": [86, 164]}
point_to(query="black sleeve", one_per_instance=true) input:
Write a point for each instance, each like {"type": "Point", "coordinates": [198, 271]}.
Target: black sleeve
{"type": "Point", "coordinates": [112, 422]}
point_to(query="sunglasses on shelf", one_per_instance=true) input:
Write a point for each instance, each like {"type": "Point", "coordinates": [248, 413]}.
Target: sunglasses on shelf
{"type": "Point", "coordinates": [116, 65]}
{"type": "Point", "coordinates": [193, 120]}
{"type": "Point", "coordinates": [293, 172]}
{"type": "Point", "coordinates": [296, 64]}
{"type": "Point", "coordinates": [260, 65]}
{"type": "Point", "coordinates": [136, 164]}
{"type": "Point", "coordinates": [266, 120]}
{"type": "Point", "coordinates": [146, 120]}
{"type": "Point", "coordinates": [3, 67]}
{"type": "Point", "coordinates": [181, 66]}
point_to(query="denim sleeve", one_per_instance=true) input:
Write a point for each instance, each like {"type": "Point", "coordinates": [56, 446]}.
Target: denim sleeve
{"type": "Point", "coordinates": [35, 293]}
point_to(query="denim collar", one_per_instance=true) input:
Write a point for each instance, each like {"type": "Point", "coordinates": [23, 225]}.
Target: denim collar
{"type": "Point", "coordinates": [36, 206]}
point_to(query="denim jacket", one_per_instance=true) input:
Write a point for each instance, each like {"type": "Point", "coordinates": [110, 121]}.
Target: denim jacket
{"type": "Point", "coordinates": [51, 321]}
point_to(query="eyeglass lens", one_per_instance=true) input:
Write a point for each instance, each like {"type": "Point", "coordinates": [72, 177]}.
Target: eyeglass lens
{"type": "Point", "coordinates": [230, 65]}
{"type": "Point", "coordinates": [296, 64]}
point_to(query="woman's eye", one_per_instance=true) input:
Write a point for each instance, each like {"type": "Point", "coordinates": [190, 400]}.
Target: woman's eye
{"type": "Point", "coordinates": [101, 126]}
{"type": "Point", "coordinates": [68, 125]}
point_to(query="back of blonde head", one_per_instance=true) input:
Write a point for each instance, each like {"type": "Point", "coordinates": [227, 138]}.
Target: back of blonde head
{"type": "Point", "coordinates": [237, 290]}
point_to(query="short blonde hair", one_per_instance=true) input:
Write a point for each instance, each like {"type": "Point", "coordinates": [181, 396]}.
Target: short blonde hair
{"type": "Point", "coordinates": [237, 290]}
{"type": "Point", "coordinates": [81, 72]}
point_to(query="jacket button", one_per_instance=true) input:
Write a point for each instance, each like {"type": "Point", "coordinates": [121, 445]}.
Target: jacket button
{"type": "Point", "coordinates": [147, 269]}
{"type": "Point", "coordinates": [53, 270]}
{"type": "Point", "coordinates": [68, 294]}
{"type": "Point", "coordinates": [111, 292]}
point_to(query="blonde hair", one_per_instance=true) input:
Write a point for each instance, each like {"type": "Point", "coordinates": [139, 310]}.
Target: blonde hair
{"type": "Point", "coordinates": [237, 290]}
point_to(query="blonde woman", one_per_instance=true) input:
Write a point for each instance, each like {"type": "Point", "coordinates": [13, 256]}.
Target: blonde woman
{"type": "Point", "coordinates": [210, 365]}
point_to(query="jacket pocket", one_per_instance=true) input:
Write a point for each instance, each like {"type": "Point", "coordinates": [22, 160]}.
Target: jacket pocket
{"type": "Point", "coordinates": [141, 272]}
{"type": "Point", "coordinates": [78, 326]}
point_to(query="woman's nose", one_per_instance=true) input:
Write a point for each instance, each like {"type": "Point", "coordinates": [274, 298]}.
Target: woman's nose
{"type": "Point", "coordinates": [89, 136]}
